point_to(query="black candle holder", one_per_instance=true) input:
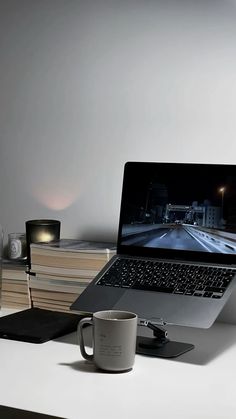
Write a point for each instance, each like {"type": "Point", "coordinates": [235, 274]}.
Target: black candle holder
{"type": "Point", "coordinates": [38, 231]}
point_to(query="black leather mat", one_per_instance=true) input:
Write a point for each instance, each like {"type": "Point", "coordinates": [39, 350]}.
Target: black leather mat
{"type": "Point", "coordinates": [37, 325]}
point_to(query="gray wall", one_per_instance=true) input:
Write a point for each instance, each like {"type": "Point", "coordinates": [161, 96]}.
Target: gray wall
{"type": "Point", "coordinates": [86, 85]}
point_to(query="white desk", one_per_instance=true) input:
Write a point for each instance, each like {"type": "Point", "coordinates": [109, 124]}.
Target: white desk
{"type": "Point", "coordinates": [52, 378]}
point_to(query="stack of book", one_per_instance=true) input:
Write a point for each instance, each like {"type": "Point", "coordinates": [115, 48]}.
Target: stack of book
{"type": "Point", "coordinates": [15, 288]}
{"type": "Point", "coordinates": [61, 270]}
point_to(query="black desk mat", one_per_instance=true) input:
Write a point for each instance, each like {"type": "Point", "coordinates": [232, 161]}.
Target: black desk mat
{"type": "Point", "coordinates": [36, 325]}
{"type": "Point", "coordinates": [13, 413]}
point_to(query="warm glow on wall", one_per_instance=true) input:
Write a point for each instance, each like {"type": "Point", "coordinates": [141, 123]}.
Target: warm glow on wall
{"type": "Point", "coordinates": [55, 197]}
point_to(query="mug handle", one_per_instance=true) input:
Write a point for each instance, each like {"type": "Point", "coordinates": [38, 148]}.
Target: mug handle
{"type": "Point", "coordinates": [82, 323]}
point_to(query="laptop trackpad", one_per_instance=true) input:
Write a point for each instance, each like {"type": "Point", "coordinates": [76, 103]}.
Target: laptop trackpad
{"type": "Point", "coordinates": [145, 304]}
{"type": "Point", "coordinates": [169, 308]}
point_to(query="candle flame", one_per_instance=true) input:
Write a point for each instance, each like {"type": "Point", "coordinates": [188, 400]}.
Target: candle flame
{"type": "Point", "coordinates": [45, 236]}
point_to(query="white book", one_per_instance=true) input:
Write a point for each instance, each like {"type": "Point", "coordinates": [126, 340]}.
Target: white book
{"type": "Point", "coordinates": [86, 273]}
{"type": "Point", "coordinates": [49, 285]}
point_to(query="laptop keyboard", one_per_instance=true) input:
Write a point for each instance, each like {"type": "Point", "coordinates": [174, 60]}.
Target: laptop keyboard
{"type": "Point", "coordinates": [167, 277]}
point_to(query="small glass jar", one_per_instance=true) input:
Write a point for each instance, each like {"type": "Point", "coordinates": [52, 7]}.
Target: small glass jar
{"type": "Point", "coordinates": [16, 246]}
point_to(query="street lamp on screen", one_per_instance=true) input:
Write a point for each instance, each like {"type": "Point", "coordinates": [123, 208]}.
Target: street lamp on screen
{"type": "Point", "coordinates": [222, 191]}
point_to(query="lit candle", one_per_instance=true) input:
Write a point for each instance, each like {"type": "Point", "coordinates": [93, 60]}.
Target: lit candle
{"type": "Point", "coordinates": [41, 231]}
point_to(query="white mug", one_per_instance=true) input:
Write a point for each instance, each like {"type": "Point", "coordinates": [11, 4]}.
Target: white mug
{"type": "Point", "coordinates": [114, 339]}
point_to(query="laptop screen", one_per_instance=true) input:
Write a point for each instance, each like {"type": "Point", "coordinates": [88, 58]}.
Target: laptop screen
{"type": "Point", "coordinates": [179, 210]}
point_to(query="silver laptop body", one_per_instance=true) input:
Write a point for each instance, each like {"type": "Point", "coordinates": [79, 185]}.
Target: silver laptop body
{"type": "Point", "coordinates": [177, 214]}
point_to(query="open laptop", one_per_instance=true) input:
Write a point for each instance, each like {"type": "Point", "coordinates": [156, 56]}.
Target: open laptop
{"type": "Point", "coordinates": [179, 218]}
